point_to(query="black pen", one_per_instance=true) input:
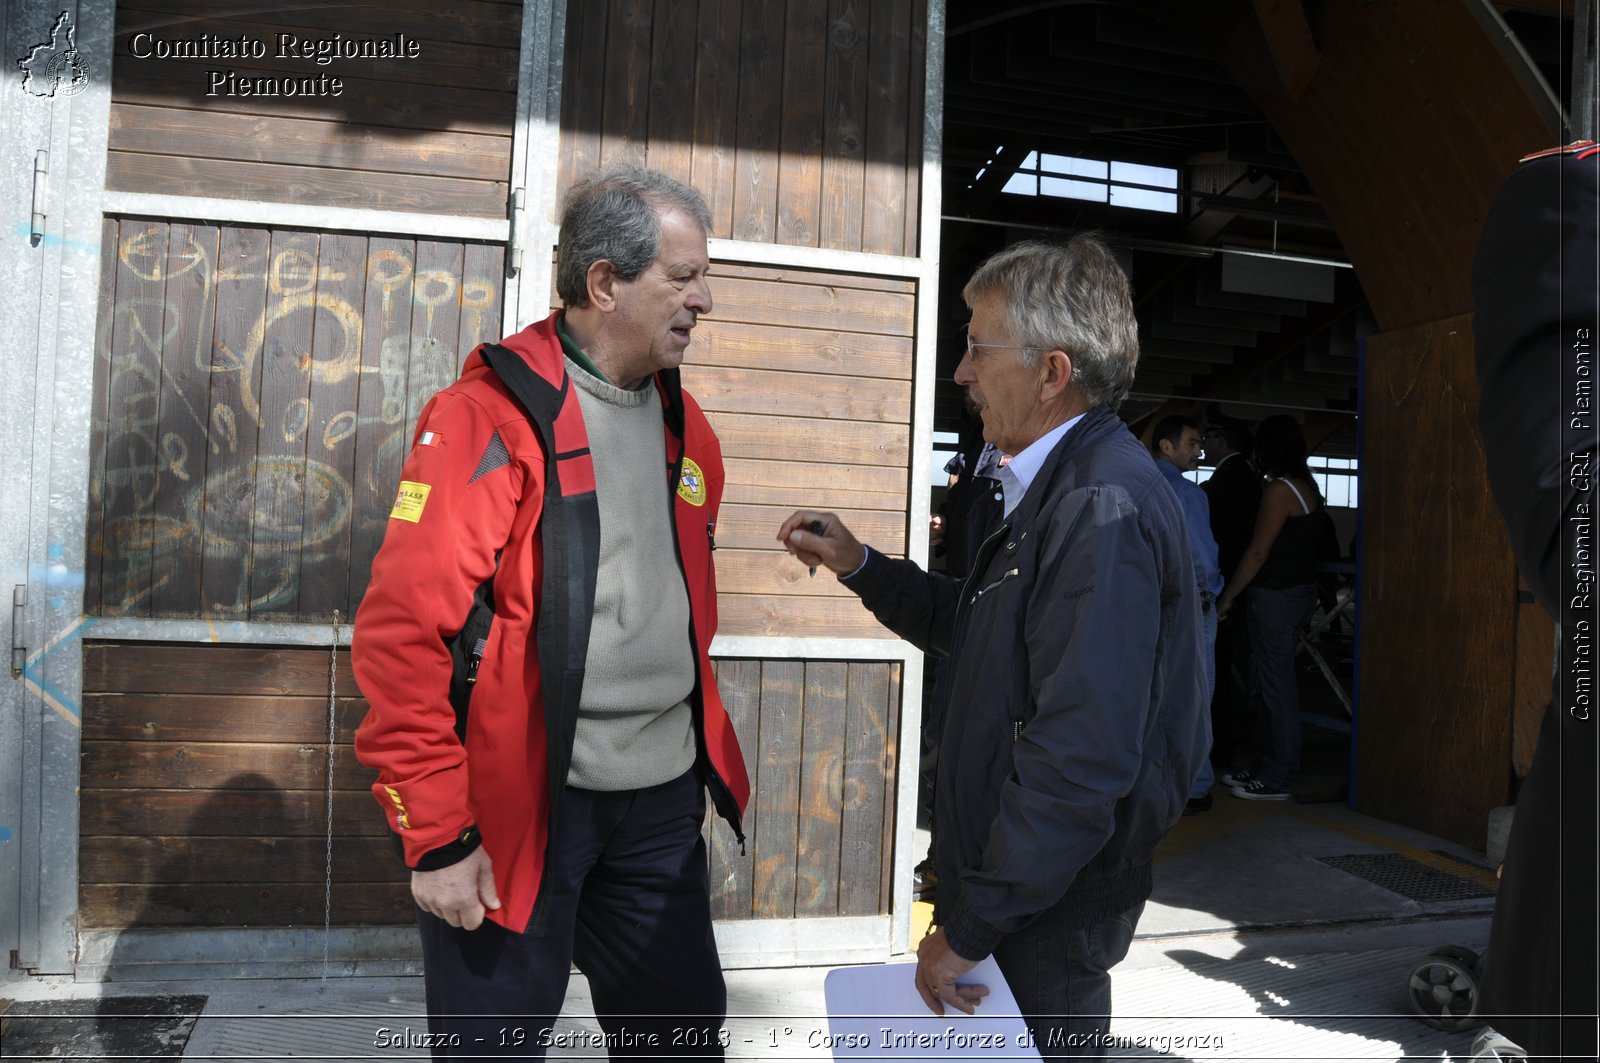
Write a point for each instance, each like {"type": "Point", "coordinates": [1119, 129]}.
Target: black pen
{"type": "Point", "coordinates": [816, 527]}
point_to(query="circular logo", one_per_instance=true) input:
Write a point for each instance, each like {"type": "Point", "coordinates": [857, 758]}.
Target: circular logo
{"type": "Point", "coordinates": [66, 74]}
{"type": "Point", "coordinates": [692, 483]}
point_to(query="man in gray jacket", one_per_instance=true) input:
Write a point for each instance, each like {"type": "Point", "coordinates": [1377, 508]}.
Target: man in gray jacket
{"type": "Point", "coordinates": [1075, 723]}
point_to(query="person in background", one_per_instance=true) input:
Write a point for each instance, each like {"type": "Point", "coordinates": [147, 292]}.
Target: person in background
{"type": "Point", "coordinates": [1233, 492]}
{"type": "Point", "coordinates": [1176, 445]}
{"type": "Point", "coordinates": [1277, 577]}
{"type": "Point", "coordinates": [1075, 721]}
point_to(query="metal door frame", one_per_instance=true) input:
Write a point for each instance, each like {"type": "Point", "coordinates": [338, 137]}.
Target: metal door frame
{"type": "Point", "coordinates": [56, 131]}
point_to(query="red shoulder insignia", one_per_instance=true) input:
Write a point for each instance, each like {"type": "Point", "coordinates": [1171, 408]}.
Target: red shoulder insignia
{"type": "Point", "coordinates": [1581, 148]}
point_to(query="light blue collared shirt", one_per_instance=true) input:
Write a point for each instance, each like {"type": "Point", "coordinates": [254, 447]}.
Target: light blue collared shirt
{"type": "Point", "coordinates": [1197, 515]}
{"type": "Point", "coordinates": [1019, 472]}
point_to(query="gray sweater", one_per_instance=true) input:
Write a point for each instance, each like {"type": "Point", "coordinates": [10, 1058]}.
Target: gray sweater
{"type": "Point", "coordinates": [634, 721]}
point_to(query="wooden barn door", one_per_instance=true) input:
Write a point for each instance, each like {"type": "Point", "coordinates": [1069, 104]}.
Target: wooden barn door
{"type": "Point", "coordinates": [286, 278]}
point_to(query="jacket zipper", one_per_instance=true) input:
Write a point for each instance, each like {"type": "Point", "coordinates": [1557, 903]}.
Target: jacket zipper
{"type": "Point", "coordinates": [1003, 577]}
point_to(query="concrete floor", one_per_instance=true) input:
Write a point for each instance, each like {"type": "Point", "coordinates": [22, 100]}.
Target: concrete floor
{"type": "Point", "coordinates": [1253, 946]}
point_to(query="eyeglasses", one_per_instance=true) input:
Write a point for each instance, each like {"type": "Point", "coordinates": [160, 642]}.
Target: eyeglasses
{"type": "Point", "coordinates": [973, 348]}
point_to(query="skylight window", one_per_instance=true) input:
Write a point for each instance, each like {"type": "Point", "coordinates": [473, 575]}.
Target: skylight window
{"type": "Point", "coordinates": [1121, 184]}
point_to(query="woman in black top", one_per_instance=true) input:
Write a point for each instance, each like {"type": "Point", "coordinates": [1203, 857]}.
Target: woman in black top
{"type": "Point", "coordinates": [1279, 571]}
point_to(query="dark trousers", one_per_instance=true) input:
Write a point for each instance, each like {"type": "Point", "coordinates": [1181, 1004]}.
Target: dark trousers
{"type": "Point", "coordinates": [626, 896]}
{"type": "Point", "coordinates": [1062, 981]}
{"type": "Point", "coordinates": [1229, 699]}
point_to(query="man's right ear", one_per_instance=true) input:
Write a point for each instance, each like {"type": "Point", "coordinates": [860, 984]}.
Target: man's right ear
{"type": "Point", "coordinates": [601, 281]}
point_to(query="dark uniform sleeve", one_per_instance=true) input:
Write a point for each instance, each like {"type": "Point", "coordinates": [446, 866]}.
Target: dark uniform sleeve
{"type": "Point", "coordinates": [1534, 294]}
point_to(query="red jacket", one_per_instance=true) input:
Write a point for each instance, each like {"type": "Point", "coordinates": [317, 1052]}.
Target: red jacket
{"type": "Point", "coordinates": [479, 484]}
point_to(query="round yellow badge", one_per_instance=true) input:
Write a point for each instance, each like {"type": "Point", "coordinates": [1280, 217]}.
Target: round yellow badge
{"type": "Point", "coordinates": [692, 484]}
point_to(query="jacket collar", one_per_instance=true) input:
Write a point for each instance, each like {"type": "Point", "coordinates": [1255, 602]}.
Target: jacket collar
{"type": "Point", "coordinates": [1097, 425]}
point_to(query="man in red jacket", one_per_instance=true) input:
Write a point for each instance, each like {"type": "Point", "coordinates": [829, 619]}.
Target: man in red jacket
{"type": "Point", "coordinates": [534, 646]}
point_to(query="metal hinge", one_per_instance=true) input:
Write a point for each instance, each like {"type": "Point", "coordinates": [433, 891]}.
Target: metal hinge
{"type": "Point", "coordinates": [514, 244]}
{"type": "Point", "coordinates": [41, 180]}
{"type": "Point", "coordinates": [19, 651]}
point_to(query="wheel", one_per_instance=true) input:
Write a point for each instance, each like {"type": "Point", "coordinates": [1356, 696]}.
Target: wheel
{"type": "Point", "coordinates": [1444, 988]}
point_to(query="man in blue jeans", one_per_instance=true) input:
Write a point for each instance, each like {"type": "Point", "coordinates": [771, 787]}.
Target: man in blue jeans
{"type": "Point", "coordinates": [1176, 445]}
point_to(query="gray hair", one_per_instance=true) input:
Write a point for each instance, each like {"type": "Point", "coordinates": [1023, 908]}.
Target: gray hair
{"type": "Point", "coordinates": [1072, 297]}
{"type": "Point", "coordinates": [615, 215]}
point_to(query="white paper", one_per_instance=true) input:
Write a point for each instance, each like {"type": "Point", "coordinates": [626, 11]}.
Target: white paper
{"type": "Point", "coordinates": [875, 1012]}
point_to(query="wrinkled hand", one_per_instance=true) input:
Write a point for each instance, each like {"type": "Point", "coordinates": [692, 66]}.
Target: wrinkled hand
{"type": "Point", "coordinates": [938, 967]}
{"type": "Point", "coordinates": [458, 894]}
{"type": "Point", "coordinates": [834, 547]}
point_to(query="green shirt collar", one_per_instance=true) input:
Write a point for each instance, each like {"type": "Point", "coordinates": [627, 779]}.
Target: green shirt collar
{"type": "Point", "coordinates": [570, 347]}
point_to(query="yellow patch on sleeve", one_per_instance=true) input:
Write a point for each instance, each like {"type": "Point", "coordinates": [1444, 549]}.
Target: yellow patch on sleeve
{"type": "Point", "coordinates": [410, 501]}
{"type": "Point", "coordinates": [401, 816]}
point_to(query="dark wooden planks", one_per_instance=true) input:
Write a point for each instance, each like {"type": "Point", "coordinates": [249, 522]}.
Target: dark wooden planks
{"type": "Point", "coordinates": [917, 83]}
{"type": "Point", "coordinates": [219, 765]}
{"type": "Point", "coordinates": [225, 813]}
{"type": "Point", "coordinates": [129, 534]}
{"type": "Point", "coordinates": [180, 859]}
{"type": "Point", "coordinates": [817, 876]}
{"type": "Point", "coordinates": [430, 134]}
{"type": "Point", "coordinates": [817, 616]}
{"type": "Point", "coordinates": [806, 376]}
{"type": "Point", "coordinates": [463, 21]}
{"type": "Point", "coordinates": [205, 798]}
{"type": "Point", "coordinates": [799, 123]}
{"type": "Point", "coordinates": [184, 393]}
{"type": "Point", "coordinates": [777, 794]}
{"type": "Point", "coordinates": [179, 668]}
{"type": "Point", "coordinates": [811, 396]}
{"type": "Point", "coordinates": [738, 345]}
{"type": "Point", "coordinates": [867, 797]}
{"type": "Point", "coordinates": [129, 906]}
{"type": "Point", "coordinates": [582, 124]}
{"type": "Point", "coordinates": [715, 108]}
{"type": "Point", "coordinates": [335, 374]}
{"type": "Point", "coordinates": [891, 773]}
{"type": "Point", "coordinates": [190, 176]}
{"type": "Point", "coordinates": [1434, 546]}
{"type": "Point", "coordinates": [821, 481]}
{"type": "Point", "coordinates": [168, 717]}
{"type": "Point", "coordinates": [755, 180]}
{"type": "Point", "coordinates": [732, 879]}
{"type": "Point", "coordinates": [803, 306]}
{"type": "Point", "coordinates": [752, 527]}
{"type": "Point", "coordinates": [99, 422]}
{"type": "Point", "coordinates": [893, 67]}
{"type": "Point", "coordinates": [805, 57]}
{"type": "Point", "coordinates": [205, 769]}
{"type": "Point", "coordinates": [259, 390]}
{"type": "Point", "coordinates": [282, 413]}
{"type": "Point", "coordinates": [843, 177]}
{"type": "Point", "coordinates": [746, 435]}
{"type": "Point", "coordinates": [272, 138]}
{"type": "Point", "coordinates": [625, 109]}
{"type": "Point", "coordinates": [670, 118]}
{"type": "Point", "coordinates": [821, 823]}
